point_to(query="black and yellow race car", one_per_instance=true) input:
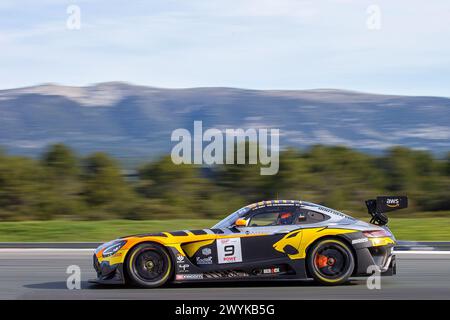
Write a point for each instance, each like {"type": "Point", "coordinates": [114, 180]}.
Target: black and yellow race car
{"type": "Point", "coordinates": [278, 239]}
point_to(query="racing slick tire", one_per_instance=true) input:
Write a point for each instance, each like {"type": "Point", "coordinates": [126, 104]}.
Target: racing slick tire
{"type": "Point", "coordinates": [330, 261]}
{"type": "Point", "coordinates": [149, 265]}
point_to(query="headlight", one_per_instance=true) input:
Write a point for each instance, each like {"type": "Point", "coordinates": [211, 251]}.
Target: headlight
{"type": "Point", "coordinates": [113, 248]}
{"type": "Point", "coordinates": [376, 233]}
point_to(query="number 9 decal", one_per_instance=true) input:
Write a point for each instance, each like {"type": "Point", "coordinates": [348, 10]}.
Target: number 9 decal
{"type": "Point", "coordinates": [229, 250]}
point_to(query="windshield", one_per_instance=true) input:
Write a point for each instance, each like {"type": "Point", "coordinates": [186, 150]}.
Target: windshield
{"type": "Point", "coordinates": [229, 220]}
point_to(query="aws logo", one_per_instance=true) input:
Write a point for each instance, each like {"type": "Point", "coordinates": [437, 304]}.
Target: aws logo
{"type": "Point", "coordinates": [393, 203]}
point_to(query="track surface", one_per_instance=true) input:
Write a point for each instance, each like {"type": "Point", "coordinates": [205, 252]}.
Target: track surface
{"type": "Point", "coordinates": [41, 274]}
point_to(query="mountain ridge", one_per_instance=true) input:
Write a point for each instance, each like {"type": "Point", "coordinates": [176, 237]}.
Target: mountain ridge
{"type": "Point", "coordinates": [130, 120]}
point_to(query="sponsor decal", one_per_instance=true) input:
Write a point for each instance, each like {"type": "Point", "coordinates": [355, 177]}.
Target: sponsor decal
{"type": "Point", "coordinates": [229, 250]}
{"type": "Point", "coordinates": [393, 203]}
{"type": "Point", "coordinates": [206, 251]}
{"type": "Point", "coordinates": [361, 240]}
{"type": "Point", "coordinates": [195, 276]}
{"type": "Point", "coordinates": [226, 274]}
{"type": "Point", "coordinates": [183, 267]}
{"type": "Point", "coordinates": [271, 270]}
{"type": "Point", "coordinates": [207, 260]}
{"type": "Point", "coordinates": [180, 258]}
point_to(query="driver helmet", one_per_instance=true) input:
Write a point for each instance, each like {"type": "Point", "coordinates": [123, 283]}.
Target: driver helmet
{"type": "Point", "coordinates": [285, 218]}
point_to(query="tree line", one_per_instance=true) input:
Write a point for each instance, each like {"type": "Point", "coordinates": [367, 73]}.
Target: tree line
{"type": "Point", "coordinates": [63, 185]}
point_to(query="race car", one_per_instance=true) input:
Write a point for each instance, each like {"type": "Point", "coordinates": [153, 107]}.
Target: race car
{"type": "Point", "coordinates": [276, 239]}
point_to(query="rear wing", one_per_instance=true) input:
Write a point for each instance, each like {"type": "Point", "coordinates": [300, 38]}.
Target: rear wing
{"type": "Point", "coordinates": [377, 207]}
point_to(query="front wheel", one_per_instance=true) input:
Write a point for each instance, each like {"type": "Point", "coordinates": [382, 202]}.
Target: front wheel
{"type": "Point", "coordinates": [331, 262]}
{"type": "Point", "coordinates": [149, 265]}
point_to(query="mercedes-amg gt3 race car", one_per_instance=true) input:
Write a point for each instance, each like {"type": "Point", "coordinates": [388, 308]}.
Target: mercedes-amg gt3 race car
{"type": "Point", "coordinates": [278, 239]}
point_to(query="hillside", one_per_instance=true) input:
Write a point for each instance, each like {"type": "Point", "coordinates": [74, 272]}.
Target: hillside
{"type": "Point", "coordinates": [136, 121]}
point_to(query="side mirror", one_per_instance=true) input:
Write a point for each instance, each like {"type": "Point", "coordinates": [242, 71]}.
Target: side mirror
{"type": "Point", "coordinates": [241, 222]}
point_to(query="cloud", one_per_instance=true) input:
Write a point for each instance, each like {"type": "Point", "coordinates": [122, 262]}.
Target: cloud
{"type": "Point", "coordinates": [279, 44]}
{"type": "Point", "coordinates": [261, 8]}
{"type": "Point", "coordinates": [431, 132]}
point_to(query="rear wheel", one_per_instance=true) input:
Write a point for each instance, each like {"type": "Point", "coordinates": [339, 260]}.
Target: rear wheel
{"type": "Point", "coordinates": [149, 265]}
{"type": "Point", "coordinates": [331, 262]}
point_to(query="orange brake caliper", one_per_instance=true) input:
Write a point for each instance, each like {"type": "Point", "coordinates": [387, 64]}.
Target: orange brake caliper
{"type": "Point", "coordinates": [321, 261]}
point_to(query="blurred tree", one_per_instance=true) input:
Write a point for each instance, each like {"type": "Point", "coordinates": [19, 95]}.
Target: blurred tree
{"type": "Point", "coordinates": [22, 189]}
{"type": "Point", "coordinates": [447, 165]}
{"type": "Point", "coordinates": [293, 180]}
{"type": "Point", "coordinates": [244, 179]}
{"type": "Point", "coordinates": [104, 188]}
{"type": "Point", "coordinates": [62, 169]}
{"type": "Point", "coordinates": [341, 176]}
{"type": "Point", "coordinates": [61, 161]}
{"type": "Point", "coordinates": [398, 166]}
{"type": "Point", "coordinates": [62, 186]}
{"type": "Point", "coordinates": [184, 188]}
{"type": "Point", "coordinates": [417, 174]}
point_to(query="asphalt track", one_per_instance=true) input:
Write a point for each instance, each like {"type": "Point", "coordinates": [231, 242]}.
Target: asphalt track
{"type": "Point", "coordinates": [41, 274]}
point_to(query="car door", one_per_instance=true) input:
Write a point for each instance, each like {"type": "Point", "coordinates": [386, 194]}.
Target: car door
{"type": "Point", "coordinates": [265, 228]}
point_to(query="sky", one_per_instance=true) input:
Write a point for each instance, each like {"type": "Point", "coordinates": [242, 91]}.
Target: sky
{"type": "Point", "coordinates": [395, 47]}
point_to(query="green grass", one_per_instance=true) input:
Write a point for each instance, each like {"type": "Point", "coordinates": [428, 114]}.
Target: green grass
{"type": "Point", "coordinates": [97, 231]}
{"type": "Point", "coordinates": [421, 229]}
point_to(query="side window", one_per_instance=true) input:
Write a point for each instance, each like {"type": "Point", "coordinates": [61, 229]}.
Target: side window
{"type": "Point", "coordinates": [306, 216]}
{"type": "Point", "coordinates": [263, 219]}
{"type": "Point", "coordinates": [273, 216]}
